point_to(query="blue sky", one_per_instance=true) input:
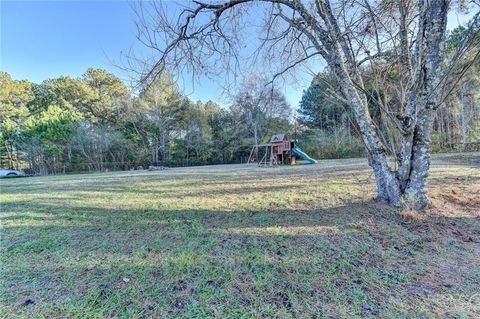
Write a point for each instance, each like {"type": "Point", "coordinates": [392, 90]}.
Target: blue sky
{"type": "Point", "coordinates": [45, 39]}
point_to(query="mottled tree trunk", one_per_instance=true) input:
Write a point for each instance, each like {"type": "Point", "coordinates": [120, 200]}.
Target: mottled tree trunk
{"type": "Point", "coordinates": [409, 183]}
{"type": "Point", "coordinates": [345, 69]}
{"type": "Point", "coordinates": [434, 38]}
{"type": "Point", "coordinates": [388, 189]}
{"type": "Point", "coordinates": [464, 115]}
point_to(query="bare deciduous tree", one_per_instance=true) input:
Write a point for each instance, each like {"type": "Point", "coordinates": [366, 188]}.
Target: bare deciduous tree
{"type": "Point", "coordinates": [258, 103]}
{"type": "Point", "coordinates": [210, 37]}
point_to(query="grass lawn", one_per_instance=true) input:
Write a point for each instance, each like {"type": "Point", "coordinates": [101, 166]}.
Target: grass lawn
{"type": "Point", "coordinates": [237, 241]}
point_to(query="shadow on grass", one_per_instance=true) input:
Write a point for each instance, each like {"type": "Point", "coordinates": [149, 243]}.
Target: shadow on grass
{"type": "Point", "coordinates": [290, 262]}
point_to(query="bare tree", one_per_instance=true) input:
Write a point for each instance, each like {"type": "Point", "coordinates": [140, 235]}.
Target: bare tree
{"type": "Point", "coordinates": [257, 102]}
{"type": "Point", "coordinates": [210, 37]}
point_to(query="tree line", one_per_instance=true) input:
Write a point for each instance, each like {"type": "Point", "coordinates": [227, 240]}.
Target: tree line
{"type": "Point", "coordinates": [95, 123]}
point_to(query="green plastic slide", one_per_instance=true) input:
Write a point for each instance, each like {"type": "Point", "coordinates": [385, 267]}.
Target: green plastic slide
{"type": "Point", "coordinates": [297, 151]}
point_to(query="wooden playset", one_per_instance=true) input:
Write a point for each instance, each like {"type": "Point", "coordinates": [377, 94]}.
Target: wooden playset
{"type": "Point", "coordinates": [280, 150]}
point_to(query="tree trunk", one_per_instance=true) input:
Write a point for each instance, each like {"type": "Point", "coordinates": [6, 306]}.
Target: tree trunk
{"type": "Point", "coordinates": [9, 154]}
{"type": "Point", "coordinates": [464, 116]}
{"type": "Point", "coordinates": [415, 192]}
{"type": "Point", "coordinates": [388, 188]}
{"type": "Point", "coordinates": [434, 37]}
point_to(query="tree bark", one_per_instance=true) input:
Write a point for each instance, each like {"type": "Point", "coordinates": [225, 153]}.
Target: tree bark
{"type": "Point", "coordinates": [464, 117]}
{"type": "Point", "coordinates": [388, 188]}
{"type": "Point", "coordinates": [436, 22]}
{"type": "Point", "coordinates": [347, 74]}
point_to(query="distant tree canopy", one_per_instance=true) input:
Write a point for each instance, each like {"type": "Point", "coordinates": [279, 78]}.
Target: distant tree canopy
{"type": "Point", "coordinates": [318, 109]}
{"type": "Point", "coordinates": [96, 123]}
